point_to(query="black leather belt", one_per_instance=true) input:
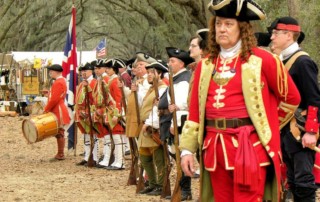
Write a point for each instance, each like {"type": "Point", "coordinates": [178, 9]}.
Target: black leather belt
{"type": "Point", "coordinates": [223, 123]}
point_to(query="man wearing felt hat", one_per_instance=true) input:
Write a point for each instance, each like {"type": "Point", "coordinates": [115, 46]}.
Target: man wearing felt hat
{"type": "Point", "coordinates": [83, 111]}
{"type": "Point", "coordinates": [178, 61]}
{"type": "Point", "coordinates": [140, 86]}
{"type": "Point", "coordinates": [299, 158]}
{"type": "Point", "coordinates": [56, 104]}
{"type": "Point", "coordinates": [237, 93]}
{"type": "Point", "coordinates": [151, 153]}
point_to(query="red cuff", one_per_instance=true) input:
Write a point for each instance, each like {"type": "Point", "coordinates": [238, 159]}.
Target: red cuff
{"type": "Point", "coordinates": [312, 124]}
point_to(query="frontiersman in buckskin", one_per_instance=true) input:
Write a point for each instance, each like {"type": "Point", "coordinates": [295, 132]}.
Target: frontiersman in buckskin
{"type": "Point", "coordinates": [82, 112]}
{"type": "Point", "coordinates": [150, 151]}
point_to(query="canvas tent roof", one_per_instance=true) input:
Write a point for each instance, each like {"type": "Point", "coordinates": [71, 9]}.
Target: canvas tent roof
{"type": "Point", "coordinates": [27, 58]}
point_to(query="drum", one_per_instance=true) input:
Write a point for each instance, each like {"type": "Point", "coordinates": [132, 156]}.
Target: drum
{"type": "Point", "coordinates": [40, 127]}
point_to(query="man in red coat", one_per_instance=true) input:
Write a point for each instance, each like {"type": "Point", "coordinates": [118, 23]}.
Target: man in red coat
{"type": "Point", "coordinates": [56, 104]}
{"type": "Point", "coordinates": [240, 98]}
{"type": "Point", "coordinates": [83, 110]}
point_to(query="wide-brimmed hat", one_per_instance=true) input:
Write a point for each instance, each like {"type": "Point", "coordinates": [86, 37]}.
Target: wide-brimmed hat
{"type": "Point", "coordinates": [242, 10]}
{"type": "Point", "coordinates": [159, 65]}
{"type": "Point", "coordinates": [287, 23]}
{"type": "Point", "coordinates": [144, 57]}
{"type": "Point", "coordinates": [184, 56]}
{"type": "Point", "coordinates": [55, 67]}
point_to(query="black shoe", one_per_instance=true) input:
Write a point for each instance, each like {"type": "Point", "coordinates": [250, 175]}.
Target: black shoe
{"type": "Point", "coordinates": [114, 168]}
{"type": "Point", "coordinates": [82, 163]}
{"type": "Point", "coordinates": [101, 166]}
{"type": "Point", "coordinates": [101, 158]}
{"type": "Point", "coordinates": [146, 190]}
{"type": "Point", "coordinates": [155, 192]}
{"type": "Point", "coordinates": [127, 153]}
{"type": "Point", "coordinates": [185, 196]}
{"type": "Point", "coordinates": [94, 164]}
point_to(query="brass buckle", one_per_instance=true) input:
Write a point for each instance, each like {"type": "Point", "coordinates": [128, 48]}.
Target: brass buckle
{"type": "Point", "coordinates": [220, 123]}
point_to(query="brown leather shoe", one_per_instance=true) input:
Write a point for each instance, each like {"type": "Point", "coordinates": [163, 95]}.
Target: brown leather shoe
{"type": "Point", "coordinates": [60, 157]}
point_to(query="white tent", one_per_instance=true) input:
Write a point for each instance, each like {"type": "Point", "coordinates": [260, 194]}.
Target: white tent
{"type": "Point", "coordinates": [27, 58]}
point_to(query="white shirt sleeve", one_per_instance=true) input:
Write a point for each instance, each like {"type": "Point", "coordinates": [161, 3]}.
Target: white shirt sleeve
{"type": "Point", "coordinates": [142, 91]}
{"type": "Point", "coordinates": [181, 93]}
{"type": "Point", "coordinates": [153, 119]}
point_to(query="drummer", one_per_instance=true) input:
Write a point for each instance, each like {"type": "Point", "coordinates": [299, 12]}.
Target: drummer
{"type": "Point", "coordinates": [56, 104]}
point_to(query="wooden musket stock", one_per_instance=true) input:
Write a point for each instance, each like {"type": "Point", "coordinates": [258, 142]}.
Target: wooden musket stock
{"type": "Point", "coordinates": [176, 196]}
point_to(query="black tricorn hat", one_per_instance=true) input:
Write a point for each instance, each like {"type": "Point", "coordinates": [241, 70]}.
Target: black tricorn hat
{"type": "Point", "coordinates": [203, 34]}
{"type": "Point", "coordinates": [184, 56]}
{"type": "Point", "coordinates": [130, 62]}
{"type": "Point", "coordinates": [87, 66]}
{"type": "Point", "coordinates": [80, 68]}
{"type": "Point", "coordinates": [242, 10]}
{"type": "Point", "coordinates": [97, 63]}
{"type": "Point", "coordinates": [107, 63]}
{"type": "Point", "coordinates": [263, 38]}
{"type": "Point", "coordinates": [159, 65]}
{"type": "Point", "coordinates": [118, 63]}
{"type": "Point", "coordinates": [287, 23]}
{"type": "Point", "coordinates": [55, 67]}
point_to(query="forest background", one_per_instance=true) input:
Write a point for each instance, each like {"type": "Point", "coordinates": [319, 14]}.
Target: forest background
{"type": "Point", "coordinates": [132, 25]}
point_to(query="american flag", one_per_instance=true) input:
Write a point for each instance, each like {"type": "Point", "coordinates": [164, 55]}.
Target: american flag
{"type": "Point", "coordinates": [69, 64]}
{"type": "Point", "coordinates": [101, 49]}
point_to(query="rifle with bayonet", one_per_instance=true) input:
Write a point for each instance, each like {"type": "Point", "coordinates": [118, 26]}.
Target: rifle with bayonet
{"type": "Point", "coordinates": [176, 196]}
{"type": "Point", "coordinates": [166, 189]}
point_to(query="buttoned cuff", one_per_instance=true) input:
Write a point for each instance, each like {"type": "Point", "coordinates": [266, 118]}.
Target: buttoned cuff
{"type": "Point", "coordinates": [312, 125]}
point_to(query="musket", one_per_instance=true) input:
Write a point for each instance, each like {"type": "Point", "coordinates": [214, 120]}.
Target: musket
{"type": "Point", "coordinates": [123, 99]}
{"type": "Point", "coordinates": [176, 196]}
{"type": "Point", "coordinates": [166, 189]}
{"type": "Point", "coordinates": [90, 160]}
{"type": "Point", "coordinates": [132, 179]}
{"type": "Point", "coordinates": [107, 125]}
{"type": "Point", "coordinates": [140, 184]}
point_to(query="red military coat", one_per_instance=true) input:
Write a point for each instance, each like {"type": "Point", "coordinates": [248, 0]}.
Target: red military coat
{"type": "Point", "coordinates": [81, 106]}
{"type": "Point", "coordinates": [270, 98]}
{"type": "Point", "coordinates": [100, 95]}
{"type": "Point", "coordinates": [114, 107]}
{"type": "Point", "coordinates": [56, 101]}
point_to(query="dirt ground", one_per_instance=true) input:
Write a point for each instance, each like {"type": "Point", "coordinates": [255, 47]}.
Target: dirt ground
{"type": "Point", "coordinates": [28, 175]}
